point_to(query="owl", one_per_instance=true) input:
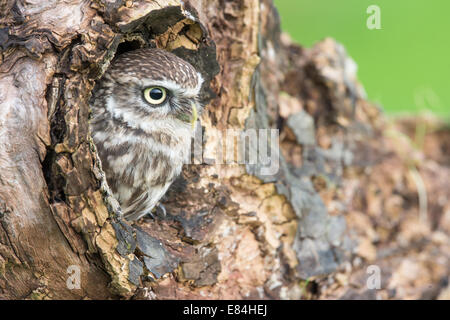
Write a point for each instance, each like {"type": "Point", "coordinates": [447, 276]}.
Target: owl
{"type": "Point", "coordinates": [143, 116]}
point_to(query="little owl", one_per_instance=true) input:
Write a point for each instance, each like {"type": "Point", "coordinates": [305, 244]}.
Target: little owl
{"type": "Point", "coordinates": [143, 117]}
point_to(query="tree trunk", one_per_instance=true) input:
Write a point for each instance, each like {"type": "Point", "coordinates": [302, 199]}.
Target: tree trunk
{"type": "Point", "coordinates": [232, 231]}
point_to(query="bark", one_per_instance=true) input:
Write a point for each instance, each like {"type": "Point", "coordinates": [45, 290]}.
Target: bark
{"type": "Point", "coordinates": [230, 232]}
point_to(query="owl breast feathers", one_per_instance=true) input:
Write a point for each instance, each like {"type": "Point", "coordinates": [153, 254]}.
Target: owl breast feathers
{"type": "Point", "coordinates": [142, 124]}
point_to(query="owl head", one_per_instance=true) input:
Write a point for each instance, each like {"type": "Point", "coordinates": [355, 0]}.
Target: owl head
{"type": "Point", "coordinates": [151, 84]}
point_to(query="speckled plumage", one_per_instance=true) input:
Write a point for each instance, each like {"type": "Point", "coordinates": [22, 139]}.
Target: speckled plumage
{"type": "Point", "coordinates": [142, 146]}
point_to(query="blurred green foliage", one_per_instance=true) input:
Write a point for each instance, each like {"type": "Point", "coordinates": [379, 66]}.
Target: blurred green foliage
{"type": "Point", "coordinates": [404, 66]}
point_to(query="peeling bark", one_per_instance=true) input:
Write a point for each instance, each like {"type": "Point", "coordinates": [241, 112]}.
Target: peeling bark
{"type": "Point", "coordinates": [230, 232]}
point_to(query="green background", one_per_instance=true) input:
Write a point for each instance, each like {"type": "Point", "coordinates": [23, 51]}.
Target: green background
{"type": "Point", "coordinates": [404, 66]}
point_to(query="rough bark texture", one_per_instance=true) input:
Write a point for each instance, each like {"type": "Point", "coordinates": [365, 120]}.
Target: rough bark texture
{"type": "Point", "coordinates": [345, 197]}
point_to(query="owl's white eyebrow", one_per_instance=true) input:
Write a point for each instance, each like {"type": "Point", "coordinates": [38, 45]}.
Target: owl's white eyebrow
{"type": "Point", "coordinates": [173, 87]}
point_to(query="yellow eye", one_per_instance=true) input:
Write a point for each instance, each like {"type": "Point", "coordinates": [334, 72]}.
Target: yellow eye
{"type": "Point", "coordinates": [155, 95]}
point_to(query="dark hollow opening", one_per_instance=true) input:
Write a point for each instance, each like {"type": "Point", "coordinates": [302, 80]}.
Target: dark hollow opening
{"type": "Point", "coordinates": [128, 46]}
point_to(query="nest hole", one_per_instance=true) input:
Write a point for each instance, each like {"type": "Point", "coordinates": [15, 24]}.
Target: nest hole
{"type": "Point", "coordinates": [127, 46]}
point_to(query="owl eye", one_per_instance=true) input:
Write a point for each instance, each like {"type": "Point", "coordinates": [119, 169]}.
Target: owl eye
{"type": "Point", "coordinates": [155, 95]}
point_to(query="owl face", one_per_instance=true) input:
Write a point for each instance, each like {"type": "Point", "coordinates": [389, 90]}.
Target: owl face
{"type": "Point", "coordinates": [152, 84]}
{"type": "Point", "coordinates": [141, 123]}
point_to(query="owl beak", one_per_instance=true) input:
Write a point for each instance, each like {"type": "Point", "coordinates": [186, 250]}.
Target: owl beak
{"type": "Point", "coordinates": [194, 115]}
